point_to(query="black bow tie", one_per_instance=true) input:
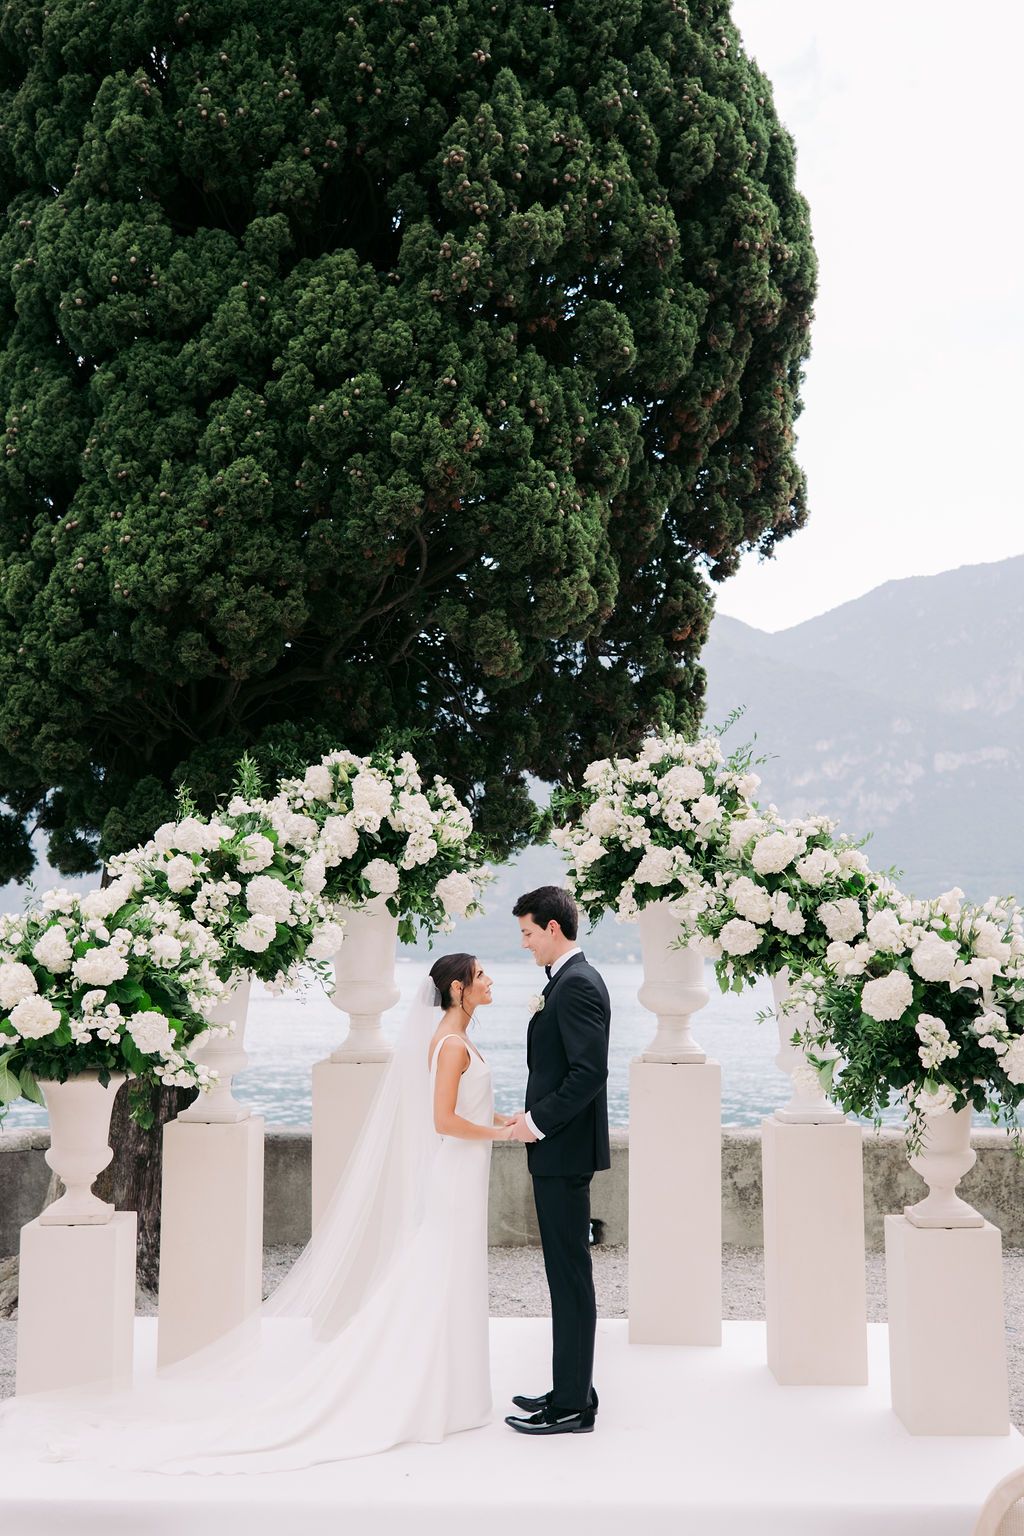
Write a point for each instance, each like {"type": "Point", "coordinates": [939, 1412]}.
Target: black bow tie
{"type": "Point", "coordinates": [547, 972]}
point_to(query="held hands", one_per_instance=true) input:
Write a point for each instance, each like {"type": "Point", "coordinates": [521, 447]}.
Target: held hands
{"type": "Point", "coordinates": [520, 1130]}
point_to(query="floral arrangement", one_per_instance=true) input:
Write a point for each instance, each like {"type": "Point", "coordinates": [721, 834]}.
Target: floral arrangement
{"type": "Point", "coordinates": [112, 981]}
{"type": "Point", "coordinates": [236, 875]}
{"type": "Point", "coordinates": [369, 827]}
{"type": "Point", "coordinates": [654, 827]}
{"type": "Point", "coordinates": [927, 1002]}
{"type": "Point", "coordinates": [785, 892]}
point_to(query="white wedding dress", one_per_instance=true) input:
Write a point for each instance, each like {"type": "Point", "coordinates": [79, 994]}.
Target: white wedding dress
{"type": "Point", "coordinates": [379, 1336]}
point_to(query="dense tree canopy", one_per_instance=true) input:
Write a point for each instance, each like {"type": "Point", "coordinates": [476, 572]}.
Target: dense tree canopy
{"type": "Point", "coordinates": [380, 367]}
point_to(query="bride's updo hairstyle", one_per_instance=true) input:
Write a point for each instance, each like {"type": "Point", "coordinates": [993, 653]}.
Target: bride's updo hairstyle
{"type": "Point", "coordinates": [448, 969]}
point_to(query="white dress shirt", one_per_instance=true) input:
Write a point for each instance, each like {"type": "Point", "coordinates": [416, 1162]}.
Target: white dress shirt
{"type": "Point", "coordinates": [556, 966]}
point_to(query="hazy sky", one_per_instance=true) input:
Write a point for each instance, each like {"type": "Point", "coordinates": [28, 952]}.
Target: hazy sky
{"type": "Point", "coordinates": [906, 117]}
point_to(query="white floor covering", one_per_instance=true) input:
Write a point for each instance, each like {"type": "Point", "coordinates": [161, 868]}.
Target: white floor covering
{"type": "Point", "coordinates": [699, 1441]}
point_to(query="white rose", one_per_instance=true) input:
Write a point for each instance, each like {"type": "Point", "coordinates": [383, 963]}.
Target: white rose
{"type": "Point", "coordinates": [601, 819]}
{"type": "Point", "coordinates": [747, 785]}
{"type": "Point", "coordinates": [816, 867]}
{"type": "Point", "coordinates": [739, 937]}
{"type": "Point", "coordinates": [456, 893]}
{"type": "Point", "coordinates": [852, 861]}
{"type": "Point", "coordinates": [707, 809]}
{"type": "Point", "coordinates": [587, 853]}
{"type": "Point", "coordinates": [1013, 1061]}
{"type": "Point", "coordinates": [382, 877]}
{"type": "Point", "coordinates": [934, 959]}
{"type": "Point", "coordinates": [100, 966]}
{"type": "Point", "coordinates": [165, 949]}
{"type": "Point", "coordinates": [297, 829]}
{"type": "Point", "coordinates": [841, 919]}
{"type": "Point", "coordinates": [255, 853]}
{"type": "Point", "coordinates": [887, 997]}
{"type": "Point", "coordinates": [989, 944]}
{"type": "Point", "coordinates": [774, 852]}
{"type": "Point", "coordinates": [163, 837]}
{"type": "Point", "coordinates": [257, 934]}
{"type": "Point", "coordinates": [268, 897]}
{"type": "Point", "coordinates": [949, 902]}
{"type": "Point", "coordinates": [838, 955]}
{"type": "Point", "coordinates": [151, 1032]}
{"type": "Point", "coordinates": [317, 779]}
{"type": "Point", "coordinates": [741, 830]}
{"type": "Point", "coordinates": [326, 941]}
{"type": "Point", "coordinates": [935, 1101]}
{"type": "Point", "coordinates": [53, 950]}
{"type": "Point", "coordinates": [788, 919]}
{"type": "Point", "coordinates": [751, 900]}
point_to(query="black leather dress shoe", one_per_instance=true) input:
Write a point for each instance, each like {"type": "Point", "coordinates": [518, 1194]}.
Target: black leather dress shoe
{"type": "Point", "coordinates": [536, 1404]}
{"type": "Point", "coordinates": [548, 1423]}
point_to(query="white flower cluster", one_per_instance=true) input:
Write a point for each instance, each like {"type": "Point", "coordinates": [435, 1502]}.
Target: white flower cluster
{"type": "Point", "coordinates": [649, 826]}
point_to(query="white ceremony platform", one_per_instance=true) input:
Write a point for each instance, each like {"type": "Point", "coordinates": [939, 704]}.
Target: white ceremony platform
{"type": "Point", "coordinates": [689, 1440]}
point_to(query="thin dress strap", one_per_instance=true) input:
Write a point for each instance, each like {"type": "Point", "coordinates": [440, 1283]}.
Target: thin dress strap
{"type": "Point", "coordinates": [437, 1048]}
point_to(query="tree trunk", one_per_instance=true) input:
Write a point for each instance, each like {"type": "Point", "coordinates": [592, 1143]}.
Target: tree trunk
{"type": "Point", "coordinates": [132, 1180]}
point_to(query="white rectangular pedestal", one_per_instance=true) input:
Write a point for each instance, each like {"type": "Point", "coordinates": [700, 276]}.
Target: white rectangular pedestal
{"type": "Point", "coordinates": [675, 1203]}
{"type": "Point", "coordinates": [76, 1305]}
{"type": "Point", "coordinates": [814, 1275]}
{"type": "Point", "coordinates": [211, 1232]}
{"type": "Point", "coordinates": [342, 1094]}
{"type": "Point", "coordinates": [947, 1343]}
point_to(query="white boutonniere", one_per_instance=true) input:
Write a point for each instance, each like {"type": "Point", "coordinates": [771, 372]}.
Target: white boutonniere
{"type": "Point", "coordinates": [536, 1003]}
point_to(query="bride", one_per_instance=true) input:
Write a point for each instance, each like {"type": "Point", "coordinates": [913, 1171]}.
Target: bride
{"type": "Point", "coordinates": [379, 1335]}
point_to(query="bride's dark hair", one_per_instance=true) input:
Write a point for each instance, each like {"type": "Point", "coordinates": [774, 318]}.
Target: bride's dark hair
{"type": "Point", "coordinates": [449, 968]}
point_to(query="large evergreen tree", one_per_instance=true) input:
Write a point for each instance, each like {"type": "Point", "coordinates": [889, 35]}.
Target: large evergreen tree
{"type": "Point", "coordinates": [376, 367]}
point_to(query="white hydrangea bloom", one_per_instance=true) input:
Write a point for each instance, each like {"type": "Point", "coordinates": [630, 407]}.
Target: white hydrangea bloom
{"type": "Point", "coordinates": [191, 835]}
{"type": "Point", "coordinates": [166, 950]}
{"type": "Point", "coordinates": [382, 877]}
{"type": "Point", "coordinates": [773, 853]}
{"type": "Point", "coordinates": [268, 897]}
{"type": "Point", "coordinates": [340, 838]}
{"type": "Point", "coordinates": [101, 966]}
{"type": "Point", "coordinates": [885, 932]}
{"type": "Point", "coordinates": [655, 868]}
{"type": "Point", "coordinates": [53, 950]}
{"type": "Point", "coordinates": [180, 872]}
{"type": "Point", "coordinates": [314, 874]}
{"type": "Point", "coordinates": [257, 934]}
{"type": "Point", "coordinates": [682, 783]}
{"type": "Point", "coordinates": [852, 861]}
{"type": "Point", "coordinates": [326, 941]}
{"type": "Point", "coordinates": [887, 997]}
{"type": "Point", "coordinates": [33, 1017]}
{"type": "Point", "coordinates": [588, 852]}
{"type": "Point", "coordinates": [841, 919]}
{"type": "Point", "coordinates": [934, 959]}
{"type": "Point", "coordinates": [738, 937]}
{"type": "Point", "coordinates": [817, 866]}
{"type": "Point", "coordinates": [255, 853]}
{"type": "Point", "coordinates": [151, 1032]}
{"type": "Point", "coordinates": [787, 918]}
{"type": "Point", "coordinates": [317, 779]}
{"type": "Point", "coordinates": [456, 893]}
{"type": "Point", "coordinates": [751, 900]}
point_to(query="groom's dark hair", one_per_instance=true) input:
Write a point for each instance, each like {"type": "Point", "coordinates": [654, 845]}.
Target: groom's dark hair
{"type": "Point", "coordinates": [550, 903]}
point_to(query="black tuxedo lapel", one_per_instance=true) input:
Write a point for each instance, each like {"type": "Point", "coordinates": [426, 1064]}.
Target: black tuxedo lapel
{"type": "Point", "coordinates": [556, 978]}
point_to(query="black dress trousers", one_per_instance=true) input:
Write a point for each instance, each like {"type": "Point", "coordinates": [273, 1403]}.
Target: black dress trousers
{"type": "Point", "coordinates": [563, 1215]}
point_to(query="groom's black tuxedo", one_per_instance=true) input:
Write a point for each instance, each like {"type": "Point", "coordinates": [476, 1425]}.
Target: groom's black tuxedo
{"type": "Point", "coordinates": [566, 1097]}
{"type": "Point", "coordinates": [567, 1058]}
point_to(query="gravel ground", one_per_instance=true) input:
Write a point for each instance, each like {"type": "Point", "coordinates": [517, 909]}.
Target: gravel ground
{"type": "Point", "coordinates": [518, 1290]}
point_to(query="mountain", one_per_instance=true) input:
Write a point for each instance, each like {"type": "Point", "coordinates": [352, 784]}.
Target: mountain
{"type": "Point", "coordinates": [902, 713]}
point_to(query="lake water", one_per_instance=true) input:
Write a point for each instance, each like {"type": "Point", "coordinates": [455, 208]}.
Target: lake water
{"type": "Point", "coordinates": [286, 1035]}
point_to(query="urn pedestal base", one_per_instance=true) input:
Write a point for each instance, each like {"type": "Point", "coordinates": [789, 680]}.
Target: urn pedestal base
{"type": "Point", "coordinates": [342, 1094]}
{"type": "Point", "coordinates": [211, 1233]}
{"type": "Point", "coordinates": [947, 1344]}
{"type": "Point", "coordinates": [675, 1203]}
{"type": "Point", "coordinates": [814, 1277]}
{"type": "Point", "coordinates": [76, 1305]}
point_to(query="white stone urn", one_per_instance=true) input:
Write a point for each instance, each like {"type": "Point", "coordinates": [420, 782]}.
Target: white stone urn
{"type": "Point", "coordinates": [79, 1112]}
{"type": "Point", "coordinates": [807, 1103]}
{"type": "Point", "coordinates": [945, 1156]}
{"type": "Point", "coordinates": [225, 1052]}
{"type": "Point", "coordinates": [673, 987]}
{"type": "Point", "coordinates": [365, 988]}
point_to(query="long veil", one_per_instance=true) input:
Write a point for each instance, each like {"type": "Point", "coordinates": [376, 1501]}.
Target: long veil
{"type": "Point", "coordinates": [266, 1397]}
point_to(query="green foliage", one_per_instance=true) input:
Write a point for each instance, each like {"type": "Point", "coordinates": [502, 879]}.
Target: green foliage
{"type": "Point", "coordinates": [382, 368]}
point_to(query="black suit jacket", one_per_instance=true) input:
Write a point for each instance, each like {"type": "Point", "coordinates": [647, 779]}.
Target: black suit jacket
{"type": "Point", "coordinates": [567, 1057]}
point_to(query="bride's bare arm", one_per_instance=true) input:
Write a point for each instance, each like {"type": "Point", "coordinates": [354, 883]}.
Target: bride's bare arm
{"type": "Point", "coordinates": [452, 1060]}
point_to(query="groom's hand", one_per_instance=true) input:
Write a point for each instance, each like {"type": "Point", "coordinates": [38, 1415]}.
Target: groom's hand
{"type": "Point", "coordinates": [520, 1130]}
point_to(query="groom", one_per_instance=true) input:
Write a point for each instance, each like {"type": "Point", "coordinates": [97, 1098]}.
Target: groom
{"type": "Point", "coordinates": [565, 1127]}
